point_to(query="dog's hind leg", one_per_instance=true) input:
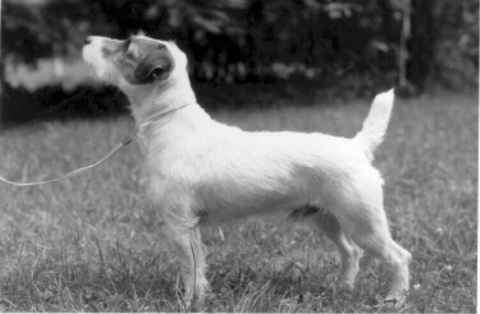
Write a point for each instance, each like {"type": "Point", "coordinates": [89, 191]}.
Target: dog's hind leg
{"type": "Point", "coordinates": [365, 221]}
{"type": "Point", "coordinates": [350, 253]}
{"type": "Point", "coordinates": [375, 238]}
{"type": "Point", "coordinates": [187, 242]}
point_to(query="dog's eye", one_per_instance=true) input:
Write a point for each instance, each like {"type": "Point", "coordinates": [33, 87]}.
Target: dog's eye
{"type": "Point", "coordinates": [156, 73]}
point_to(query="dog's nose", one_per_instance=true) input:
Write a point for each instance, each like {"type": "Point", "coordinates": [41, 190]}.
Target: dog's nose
{"type": "Point", "coordinates": [88, 40]}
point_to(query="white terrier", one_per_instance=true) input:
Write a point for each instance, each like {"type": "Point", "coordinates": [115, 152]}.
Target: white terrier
{"type": "Point", "coordinates": [201, 171]}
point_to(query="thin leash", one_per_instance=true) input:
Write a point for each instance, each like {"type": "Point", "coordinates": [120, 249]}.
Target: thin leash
{"type": "Point", "coordinates": [74, 172]}
{"type": "Point", "coordinates": [112, 152]}
{"type": "Point", "coordinates": [156, 116]}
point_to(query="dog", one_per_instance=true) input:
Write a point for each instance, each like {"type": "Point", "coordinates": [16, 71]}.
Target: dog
{"type": "Point", "coordinates": [200, 171]}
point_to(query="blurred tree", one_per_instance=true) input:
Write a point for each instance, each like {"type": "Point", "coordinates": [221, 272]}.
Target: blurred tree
{"type": "Point", "coordinates": [239, 40]}
{"type": "Point", "coordinates": [455, 59]}
{"type": "Point", "coordinates": [421, 42]}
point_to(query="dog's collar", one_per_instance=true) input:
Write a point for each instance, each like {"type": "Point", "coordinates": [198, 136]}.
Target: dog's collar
{"type": "Point", "coordinates": [157, 116]}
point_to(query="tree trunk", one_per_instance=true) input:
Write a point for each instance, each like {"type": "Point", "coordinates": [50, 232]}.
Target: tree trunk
{"type": "Point", "coordinates": [420, 45]}
{"type": "Point", "coordinates": [403, 52]}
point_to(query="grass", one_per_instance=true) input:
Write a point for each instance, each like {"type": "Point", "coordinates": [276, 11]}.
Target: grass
{"type": "Point", "coordinates": [94, 243]}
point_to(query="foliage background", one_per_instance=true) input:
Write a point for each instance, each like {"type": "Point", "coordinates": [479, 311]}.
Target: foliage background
{"type": "Point", "coordinates": [352, 46]}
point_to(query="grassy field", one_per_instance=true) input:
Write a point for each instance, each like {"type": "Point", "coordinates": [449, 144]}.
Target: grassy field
{"type": "Point", "coordinates": [94, 243]}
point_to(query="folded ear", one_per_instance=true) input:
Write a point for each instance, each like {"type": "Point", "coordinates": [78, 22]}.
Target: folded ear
{"type": "Point", "coordinates": [155, 66]}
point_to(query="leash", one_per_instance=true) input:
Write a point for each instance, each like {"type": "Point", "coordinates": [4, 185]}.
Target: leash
{"type": "Point", "coordinates": [72, 173]}
{"type": "Point", "coordinates": [152, 119]}
{"type": "Point", "coordinates": [156, 116]}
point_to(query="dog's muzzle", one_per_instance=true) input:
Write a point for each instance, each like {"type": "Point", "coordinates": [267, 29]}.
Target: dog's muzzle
{"type": "Point", "coordinates": [92, 54]}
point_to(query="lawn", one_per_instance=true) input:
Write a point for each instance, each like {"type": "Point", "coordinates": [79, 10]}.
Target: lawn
{"type": "Point", "coordinates": [94, 243]}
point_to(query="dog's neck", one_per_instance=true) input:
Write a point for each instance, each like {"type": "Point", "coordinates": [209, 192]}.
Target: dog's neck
{"type": "Point", "coordinates": [147, 101]}
{"type": "Point", "coordinates": [166, 112]}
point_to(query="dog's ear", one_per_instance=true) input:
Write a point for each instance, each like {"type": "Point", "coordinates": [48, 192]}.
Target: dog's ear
{"type": "Point", "coordinates": [155, 66]}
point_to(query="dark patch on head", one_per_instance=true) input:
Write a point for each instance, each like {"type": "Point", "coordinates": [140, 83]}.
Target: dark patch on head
{"type": "Point", "coordinates": [156, 65]}
{"type": "Point", "coordinates": [151, 61]}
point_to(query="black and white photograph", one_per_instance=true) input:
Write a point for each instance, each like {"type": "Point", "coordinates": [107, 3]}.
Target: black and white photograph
{"type": "Point", "coordinates": [239, 156]}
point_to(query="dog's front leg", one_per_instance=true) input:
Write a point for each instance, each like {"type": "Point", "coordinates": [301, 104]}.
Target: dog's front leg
{"type": "Point", "coordinates": [186, 238]}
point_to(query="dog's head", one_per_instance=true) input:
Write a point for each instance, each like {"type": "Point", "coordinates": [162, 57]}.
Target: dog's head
{"type": "Point", "coordinates": [134, 62]}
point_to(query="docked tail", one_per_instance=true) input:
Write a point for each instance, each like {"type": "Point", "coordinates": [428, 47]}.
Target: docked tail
{"type": "Point", "coordinates": [375, 125]}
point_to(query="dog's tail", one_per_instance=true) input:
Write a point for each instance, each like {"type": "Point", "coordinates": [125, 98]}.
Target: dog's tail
{"type": "Point", "coordinates": [375, 125]}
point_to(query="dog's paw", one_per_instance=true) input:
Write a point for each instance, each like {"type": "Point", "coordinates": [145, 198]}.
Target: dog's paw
{"type": "Point", "coordinates": [395, 301]}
